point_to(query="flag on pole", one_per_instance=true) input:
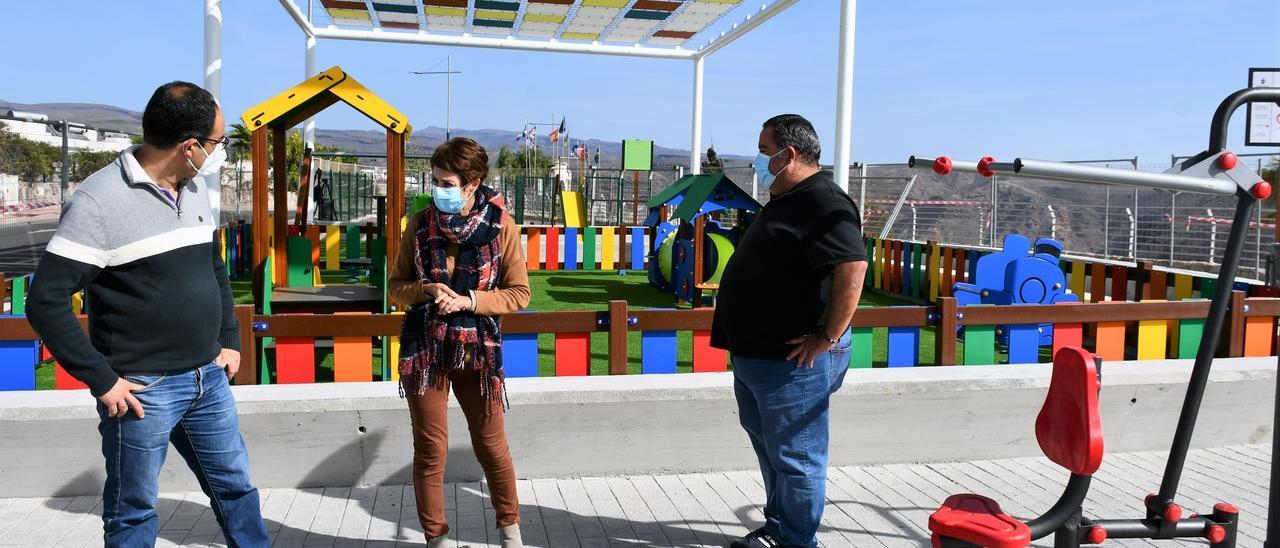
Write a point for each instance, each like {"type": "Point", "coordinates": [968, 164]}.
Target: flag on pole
{"type": "Point", "coordinates": [557, 133]}
{"type": "Point", "coordinates": [580, 151]}
{"type": "Point", "coordinates": [596, 161]}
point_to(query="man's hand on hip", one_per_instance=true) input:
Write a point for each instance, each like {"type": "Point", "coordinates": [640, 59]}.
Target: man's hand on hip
{"type": "Point", "coordinates": [807, 349]}
{"type": "Point", "coordinates": [119, 400]}
{"type": "Point", "coordinates": [229, 360]}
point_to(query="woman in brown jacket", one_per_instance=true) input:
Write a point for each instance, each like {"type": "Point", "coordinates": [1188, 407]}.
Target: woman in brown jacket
{"type": "Point", "coordinates": [459, 267]}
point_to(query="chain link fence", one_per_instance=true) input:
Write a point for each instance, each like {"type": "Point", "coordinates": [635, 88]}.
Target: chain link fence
{"type": "Point", "coordinates": [1182, 230]}
{"type": "Point", "coordinates": [610, 197]}
{"type": "Point", "coordinates": [1178, 230]}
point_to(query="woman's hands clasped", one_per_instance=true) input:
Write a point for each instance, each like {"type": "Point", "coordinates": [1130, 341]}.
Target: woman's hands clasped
{"type": "Point", "coordinates": [448, 301]}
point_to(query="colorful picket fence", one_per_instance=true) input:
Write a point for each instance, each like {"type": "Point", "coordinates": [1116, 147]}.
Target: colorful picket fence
{"type": "Point", "coordinates": [300, 338]}
{"type": "Point", "coordinates": [882, 337]}
{"type": "Point", "coordinates": [926, 271]}
{"type": "Point", "coordinates": [586, 248]}
{"type": "Point", "coordinates": [319, 247]}
{"type": "Point", "coordinates": [1166, 323]}
{"type": "Point", "coordinates": [343, 247]}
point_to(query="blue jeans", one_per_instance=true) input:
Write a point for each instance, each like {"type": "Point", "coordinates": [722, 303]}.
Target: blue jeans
{"type": "Point", "coordinates": [196, 412]}
{"type": "Point", "coordinates": [785, 411]}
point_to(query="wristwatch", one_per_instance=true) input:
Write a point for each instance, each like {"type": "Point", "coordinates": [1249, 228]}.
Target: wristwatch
{"type": "Point", "coordinates": [823, 334]}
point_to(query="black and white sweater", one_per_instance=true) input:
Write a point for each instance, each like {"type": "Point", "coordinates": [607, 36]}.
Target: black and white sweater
{"type": "Point", "coordinates": [159, 298]}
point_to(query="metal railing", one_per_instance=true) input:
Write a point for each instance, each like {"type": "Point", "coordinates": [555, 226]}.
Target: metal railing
{"type": "Point", "coordinates": [1179, 230]}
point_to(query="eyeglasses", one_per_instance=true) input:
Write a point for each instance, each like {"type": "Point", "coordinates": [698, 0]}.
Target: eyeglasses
{"type": "Point", "coordinates": [218, 141]}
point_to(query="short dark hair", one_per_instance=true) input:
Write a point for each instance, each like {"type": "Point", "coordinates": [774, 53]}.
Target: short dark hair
{"type": "Point", "coordinates": [176, 112]}
{"type": "Point", "coordinates": [464, 156]}
{"type": "Point", "coordinates": [792, 130]}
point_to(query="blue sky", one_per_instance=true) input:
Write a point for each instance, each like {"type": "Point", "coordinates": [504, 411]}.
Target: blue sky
{"type": "Point", "coordinates": [1061, 80]}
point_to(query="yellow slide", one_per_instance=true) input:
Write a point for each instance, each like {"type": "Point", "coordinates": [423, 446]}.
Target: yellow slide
{"type": "Point", "coordinates": [575, 207]}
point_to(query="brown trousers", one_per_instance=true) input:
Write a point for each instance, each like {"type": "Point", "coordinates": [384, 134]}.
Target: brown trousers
{"type": "Point", "coordinates": [431, 448]}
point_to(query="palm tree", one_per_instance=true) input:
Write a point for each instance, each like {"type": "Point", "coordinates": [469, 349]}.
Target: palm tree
{"type": "Point", "coordinates": [241, 143]}
{"type": "Point", "coordinates": [241, 140]}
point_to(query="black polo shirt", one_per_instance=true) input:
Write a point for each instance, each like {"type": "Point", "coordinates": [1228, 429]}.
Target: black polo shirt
{"type": "Point", "coordinates": [777, 285]}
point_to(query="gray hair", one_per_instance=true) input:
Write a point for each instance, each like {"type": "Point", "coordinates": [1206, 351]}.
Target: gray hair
{"type": "Point", "coordinates": [792, 130]}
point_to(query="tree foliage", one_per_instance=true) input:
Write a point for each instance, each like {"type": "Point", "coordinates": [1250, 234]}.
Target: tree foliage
{"type": "Point", "coordinates": [523, 159]}
{"type": "Point", "coordinates": [713, 163]}
{"type": "Point", "coordinates": [240, 147]}
{"type": "Point", "coordinates": [30, 160]}
{"type": "Point", "coordinates": [84, 163]}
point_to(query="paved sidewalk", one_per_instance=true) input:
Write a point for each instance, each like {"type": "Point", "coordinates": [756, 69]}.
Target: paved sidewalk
{"type": "Point", "coordinates": [868, 506]}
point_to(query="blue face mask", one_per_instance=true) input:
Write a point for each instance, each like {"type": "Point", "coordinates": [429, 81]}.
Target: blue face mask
{"type": "Point", "coordinates": [447, 199]}
{"type": "Point", "coordinates": [763, 175]}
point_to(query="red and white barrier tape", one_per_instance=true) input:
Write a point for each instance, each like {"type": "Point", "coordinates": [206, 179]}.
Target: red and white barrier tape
{"type": "Point", "coordinates": [25, 207]}
{"type": "Point", "coordinates": [929, 202]}
{"type": "Point", "coordinates": [1223, 221]}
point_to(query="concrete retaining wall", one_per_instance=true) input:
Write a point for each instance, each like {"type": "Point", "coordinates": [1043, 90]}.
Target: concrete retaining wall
{"type": "Point", "coordinates": [350, 434]}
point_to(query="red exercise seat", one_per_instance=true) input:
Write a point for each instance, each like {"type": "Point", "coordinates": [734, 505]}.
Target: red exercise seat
{"type": "Point", "coordinates": [1070, 434]}
{"type": "Point", "coordinates": [977, 520]}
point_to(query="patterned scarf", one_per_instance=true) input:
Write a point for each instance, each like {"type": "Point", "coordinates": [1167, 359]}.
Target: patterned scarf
{"type": "Point", "coordinates": [431, 344]}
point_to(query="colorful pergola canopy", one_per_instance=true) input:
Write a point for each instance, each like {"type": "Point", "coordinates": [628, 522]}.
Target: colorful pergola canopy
{"type": "Point", "coordinates": [652, 23]}
{"type": "Point", "coordinates": [659, 29]}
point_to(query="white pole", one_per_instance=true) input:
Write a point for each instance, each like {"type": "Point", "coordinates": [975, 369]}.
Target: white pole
{"type": "Point", "coordinates": [913, 223]}
{"type": "Point", "coordinates": [1213, 236]}
{"type": "Point", "coordinates": [1133, 233]}
{"type": "Point", "coordinates": [213, 47]}
{"type": "Point", "coordinates": [213, 83]}
{"type": "Point", "coordinates": [844, 92]}
{"type": "Point", "coordinates": [309, 127]}
{"type": "Point", "coordinates": [862, 193]}
{"type": "Point", "coordinates": [695, 146]}
{"type": "Point", "coordinates": [448, 97]}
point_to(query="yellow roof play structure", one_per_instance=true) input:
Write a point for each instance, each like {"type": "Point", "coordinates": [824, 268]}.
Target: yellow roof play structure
{"type": "Point", "coordinates": [295, 105]}
{"type": "Point", "coordinates": [270, 122]}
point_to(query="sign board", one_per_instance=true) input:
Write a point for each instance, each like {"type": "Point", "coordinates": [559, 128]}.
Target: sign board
{"type": "Point", "coordinates": [637, 155]}
{"type": "Point", "coordinates": [1264, 118]}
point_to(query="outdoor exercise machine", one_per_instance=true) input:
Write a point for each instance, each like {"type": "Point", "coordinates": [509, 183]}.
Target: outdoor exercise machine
{"type": "Point", "coordinates": [1069, 430]}
{"type": "Point", "coordinates": [1214, 171]}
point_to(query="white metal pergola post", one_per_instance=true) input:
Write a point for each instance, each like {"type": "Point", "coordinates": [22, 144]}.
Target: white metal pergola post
{"type": "Point", "coordinates": [213, 82]}
{"type": "Point", "coordinates": [695, 145]}
{"type": "Point", "coordinates": [213, 47]}
{"type": "Point", "coordinates": [844, 92]}
{"type": "Point", "coordinates": [309, 127]}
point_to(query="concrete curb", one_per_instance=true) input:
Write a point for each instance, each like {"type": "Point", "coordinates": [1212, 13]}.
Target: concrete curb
{"type": "Point", "coordinates": [358, 433]}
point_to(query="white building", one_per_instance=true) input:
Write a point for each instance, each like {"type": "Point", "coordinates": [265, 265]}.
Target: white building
{"type": "Point", "coordinates": [562, 172]}
{"type": "Point", "coordinates": [38, 127]}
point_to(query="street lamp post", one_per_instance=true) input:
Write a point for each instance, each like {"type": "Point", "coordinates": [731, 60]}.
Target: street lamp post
{"type": "Point", "coordinates": [448, 93]}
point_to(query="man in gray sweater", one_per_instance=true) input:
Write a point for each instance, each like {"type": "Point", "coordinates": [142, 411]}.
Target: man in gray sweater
{"type": "Point", "coordinates": [139, 236]}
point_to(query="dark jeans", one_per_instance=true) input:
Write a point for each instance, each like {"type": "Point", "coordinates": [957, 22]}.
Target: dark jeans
{"type": "Point", "coordinates": [196, 412]}
{"type": "Point", "coordinates": [785, 411]}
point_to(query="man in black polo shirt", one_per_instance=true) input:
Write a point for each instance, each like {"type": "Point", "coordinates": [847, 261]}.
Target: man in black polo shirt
{"type": "Point", "coordinates": [786, 300]}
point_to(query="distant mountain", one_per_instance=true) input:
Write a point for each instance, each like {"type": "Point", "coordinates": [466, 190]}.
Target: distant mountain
{"type": "Point", "coordinates": [93, 115]}
{"type": "Point", "coordinates": [423, 140]}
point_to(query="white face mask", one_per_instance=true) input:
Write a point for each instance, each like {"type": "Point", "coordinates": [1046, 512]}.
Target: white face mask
{"type": "Point", "coordinates": [761, 164]}
{"type": "Point", "coordinates": [212, 165]}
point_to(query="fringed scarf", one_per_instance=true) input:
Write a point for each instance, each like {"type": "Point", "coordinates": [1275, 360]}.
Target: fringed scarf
{"type": "Point", "coordinates": [431, 345]}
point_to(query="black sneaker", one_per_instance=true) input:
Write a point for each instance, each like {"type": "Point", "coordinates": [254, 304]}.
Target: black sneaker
{"type": "Point", "coordinates": [756, 539]}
